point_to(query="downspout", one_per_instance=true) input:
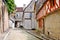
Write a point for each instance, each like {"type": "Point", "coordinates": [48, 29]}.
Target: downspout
{"type": "Point", "coordinates": [43, 27]}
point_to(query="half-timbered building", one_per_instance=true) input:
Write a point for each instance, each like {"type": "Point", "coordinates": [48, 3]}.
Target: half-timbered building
{"type": "Point", "coordinates": [48, 17]}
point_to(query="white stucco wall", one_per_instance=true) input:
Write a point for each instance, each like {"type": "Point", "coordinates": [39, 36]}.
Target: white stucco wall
{"type": "Point", "coordinates": [27, 24]}
{"type": "Point", "coordinates": [31, 22]}
{"type": "Point", "coordinates": [34, 24]}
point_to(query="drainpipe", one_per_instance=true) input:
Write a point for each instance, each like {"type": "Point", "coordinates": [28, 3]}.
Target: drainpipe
{"type": "Point", "coordinates": [43, 27]}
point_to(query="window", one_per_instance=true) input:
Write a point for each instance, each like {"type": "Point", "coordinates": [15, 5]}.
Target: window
{"type": "Point", "coordinates": [28, 15]}
{"type": "Point", "coordinates": [16, 15]}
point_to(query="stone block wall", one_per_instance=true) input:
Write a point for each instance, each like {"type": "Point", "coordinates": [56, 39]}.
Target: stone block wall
{"type": "Point", "coordinates": [52, 25]}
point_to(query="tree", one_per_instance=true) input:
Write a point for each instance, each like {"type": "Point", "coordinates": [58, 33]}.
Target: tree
{"type": "Point", "coordinates": [10, 5]}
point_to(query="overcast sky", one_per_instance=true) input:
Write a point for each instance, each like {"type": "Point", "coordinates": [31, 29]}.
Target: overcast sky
{"type": "Point", "coordinates": [19, 3]}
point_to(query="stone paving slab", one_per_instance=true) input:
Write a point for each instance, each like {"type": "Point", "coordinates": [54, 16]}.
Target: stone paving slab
{"type": "Point", "coordinates": [38, 34]}
{"type": "Point", "coordinates": [18, 34]}
{"type": "Point", "coordinates": [2, 35]}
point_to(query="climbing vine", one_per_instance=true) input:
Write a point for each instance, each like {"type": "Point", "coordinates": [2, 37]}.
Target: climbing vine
{"type": "Point", "coordinates": [10, 6]}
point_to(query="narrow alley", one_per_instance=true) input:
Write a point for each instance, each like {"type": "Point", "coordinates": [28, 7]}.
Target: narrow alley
{"type": "Point", "coordinates": [19, 34]}
{"type": "Point", "coordinates": [29, 19]}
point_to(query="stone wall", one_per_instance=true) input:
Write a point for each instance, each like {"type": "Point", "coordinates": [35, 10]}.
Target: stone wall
{"type": "Point", "coordinates": [52, 25]}
{"type": "Point", "coordinates": [0, 16]}
{"type": "Point", "coordinates": [5, 19]}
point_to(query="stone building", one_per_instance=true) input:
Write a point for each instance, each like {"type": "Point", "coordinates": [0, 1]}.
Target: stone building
{"type": "Point", "coordinates": [19, 17]}
{"type": "Point", "coordinates": [29, 21]}
{"type": "Point", "coordinates": [3, 17]}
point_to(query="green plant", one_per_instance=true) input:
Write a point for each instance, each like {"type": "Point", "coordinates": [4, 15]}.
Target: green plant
{"type": "Point", "coordinates": [10, 6]}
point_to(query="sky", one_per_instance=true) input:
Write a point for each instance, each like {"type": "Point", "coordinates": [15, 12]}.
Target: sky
{"type": "Point", "coordinates": [19, 3]}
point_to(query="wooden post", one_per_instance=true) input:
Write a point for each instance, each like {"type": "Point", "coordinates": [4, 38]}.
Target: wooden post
{"type": "Point", "coordinates": [43, 27]}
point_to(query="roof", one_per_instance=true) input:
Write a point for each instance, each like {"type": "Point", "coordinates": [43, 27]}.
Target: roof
{"type": "Point", "coordinates": [19, 9]}
{"type": "Point", "coordinates": [30, 6]}
{"type": "Point", "coordinates": [42, 6]}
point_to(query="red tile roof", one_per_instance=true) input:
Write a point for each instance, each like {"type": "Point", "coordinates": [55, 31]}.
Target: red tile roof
{"type": "Point", "coordinates": [19, 9]}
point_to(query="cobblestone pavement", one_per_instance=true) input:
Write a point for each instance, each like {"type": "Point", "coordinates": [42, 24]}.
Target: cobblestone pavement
{"type": "Point", "coordinates": [19, 34]}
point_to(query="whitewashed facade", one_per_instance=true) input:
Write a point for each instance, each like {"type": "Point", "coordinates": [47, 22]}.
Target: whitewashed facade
{"type": "Point", "coordinates": [19, 16]}
{"type": "Point", "coordinates": [29, 16]}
